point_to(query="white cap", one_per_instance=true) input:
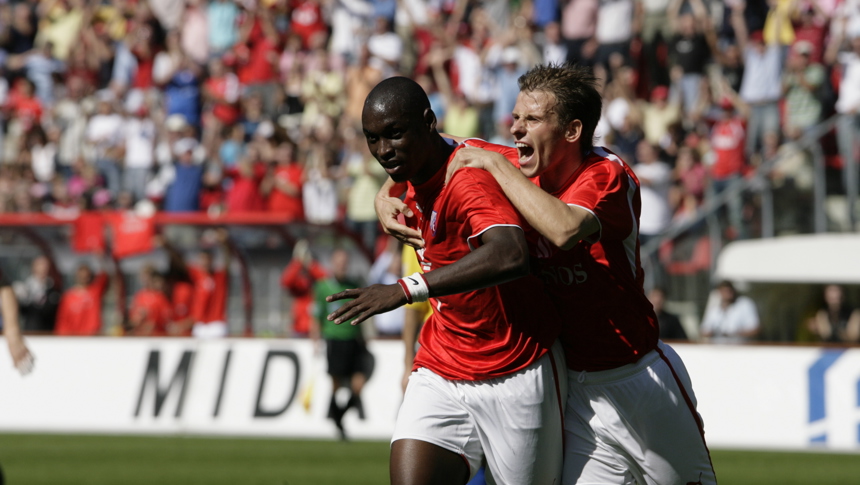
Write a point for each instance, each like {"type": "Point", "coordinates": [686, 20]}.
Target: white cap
{"type": "Point", "coordinates": [175, 122]}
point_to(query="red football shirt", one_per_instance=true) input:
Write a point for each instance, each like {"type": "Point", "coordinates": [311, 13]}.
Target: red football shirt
{"type": "Point", "coordinates": [80, 311]}
{"type": "Point", "coordinates": [728, 139]}
{"type": "Point", "coordinates": [288, 205]}
{"type": "Point", "coordinates": [152, 306]}
{"type": "Point", "coordinates": [597, 284]}
{"type": "Point", "coordinates": [299, 280]}
{"type": "Point", "coordinates": [209, 303]}
{"type": "Point", "coordinates": [485, 333]}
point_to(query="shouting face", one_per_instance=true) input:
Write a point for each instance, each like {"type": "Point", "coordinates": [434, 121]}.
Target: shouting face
{"type": "Point", "coordinates": [537, 133]}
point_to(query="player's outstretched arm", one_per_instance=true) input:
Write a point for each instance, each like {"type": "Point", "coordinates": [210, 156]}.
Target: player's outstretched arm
{"type": "Point", "coordinates": [21, 356]}
{"type": "Point", "coordinates": [502, 256]}
{"type": "Point", "coordinates": [388, 206]}
{"type": "Point", "coordinates": [561, 224]}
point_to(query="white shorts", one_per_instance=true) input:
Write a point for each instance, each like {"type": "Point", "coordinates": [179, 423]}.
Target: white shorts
{"type": "Point", "coordinates": [210, 330]}
{"type": "Point", "coordinates": [514, 422]}
{"type": "Point", "coordinates": [635, 424]}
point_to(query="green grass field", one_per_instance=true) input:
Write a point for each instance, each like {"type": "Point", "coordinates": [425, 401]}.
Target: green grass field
{"type": "Point", "coordinates": [97, 460]}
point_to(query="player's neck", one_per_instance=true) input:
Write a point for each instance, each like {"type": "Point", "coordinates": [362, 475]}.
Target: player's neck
{"type": "Point", "coordinates": [557, 176]}
{"type": "Point", "coordinates": [439, 153]}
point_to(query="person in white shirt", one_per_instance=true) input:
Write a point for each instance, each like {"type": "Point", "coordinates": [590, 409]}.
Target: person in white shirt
{"type": "Point", "coordinates": [730, 318]}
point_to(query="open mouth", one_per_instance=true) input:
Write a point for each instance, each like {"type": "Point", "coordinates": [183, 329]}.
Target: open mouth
{"type": "Point", "coordinates": [525, 152]}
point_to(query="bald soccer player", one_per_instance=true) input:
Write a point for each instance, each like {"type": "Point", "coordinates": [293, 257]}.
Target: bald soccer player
{"type": "Point", "coordinates": [484, 385]}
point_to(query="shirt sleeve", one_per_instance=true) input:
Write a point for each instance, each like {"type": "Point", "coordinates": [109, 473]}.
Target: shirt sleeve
{"type": "Point", "coordinates": [607, 191]}
{"type": "Point", "coordinates": [478, 200]}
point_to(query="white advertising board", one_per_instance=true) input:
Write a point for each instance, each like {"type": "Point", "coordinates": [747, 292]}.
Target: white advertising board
{"type": "Point", "coordinates": [231, 386]}
{"type": "Point", "coordinates": [749, 396]}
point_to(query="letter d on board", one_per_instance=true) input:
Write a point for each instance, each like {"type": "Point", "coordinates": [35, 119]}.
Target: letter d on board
{"type": "Point", "coordinates": [259, 412]}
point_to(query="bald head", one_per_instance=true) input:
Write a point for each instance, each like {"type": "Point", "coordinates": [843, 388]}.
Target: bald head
{"type": "Point", "coordinates": [400, 129]}
{"type": "Point", "coordinates": [397, 94]}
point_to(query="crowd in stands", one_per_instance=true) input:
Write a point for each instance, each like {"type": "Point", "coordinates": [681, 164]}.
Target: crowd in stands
{"type": "Point", "coordinates": [254, 105]}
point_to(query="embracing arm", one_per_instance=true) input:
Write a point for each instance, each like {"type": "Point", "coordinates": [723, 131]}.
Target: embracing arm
{"type": "Point", "coordinates": [503, 256]}
{"type": "Point", "coordinates": [561, 224]}
{"type": "Point", "coordinates": [388, 206]}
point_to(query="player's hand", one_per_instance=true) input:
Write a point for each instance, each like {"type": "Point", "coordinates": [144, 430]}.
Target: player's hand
{"type": "Point", "coordinates": [387, 210]}
{"type": "Point", "coordinates": [21, 357]}
{"type": "Point", "coordinates": [471, 157]}
{"type": "Point", "coordinates": [373, 300]}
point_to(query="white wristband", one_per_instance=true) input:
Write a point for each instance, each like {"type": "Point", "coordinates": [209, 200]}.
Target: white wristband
{"type": "Point", "coordinates": [417, 287]}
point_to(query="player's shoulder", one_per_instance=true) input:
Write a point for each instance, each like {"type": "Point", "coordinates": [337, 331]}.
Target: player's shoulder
{"type": "Point", "coordinates": [509, 152]}
{"type": "Point", "coordinates": [602, 159]}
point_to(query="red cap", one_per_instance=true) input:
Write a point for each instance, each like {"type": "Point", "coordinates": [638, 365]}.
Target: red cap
{"type": "Point", "coordinates": [757, 36]}
{"type": "Point", "coordinates": [659, 93]}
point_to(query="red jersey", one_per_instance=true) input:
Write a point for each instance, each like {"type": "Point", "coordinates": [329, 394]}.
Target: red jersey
{"type": "Point", "coordinates": [728, 138]}
{"type": "Point", "coordinates": [80, 311]}
{"type": "Point", "coordinates": [288, 205]}
{"type": "Point", "coordinates": [597, 284]}
{"type": "Point", "coordinates": [299, 281]}
{"type": "Point", "coordinates": [151, 306]}
{"type": "Point", "coordinates": [181, 299]}
{"type": "Point", "coordinates": [209, 303]}
{"type": "Point", "coordinates": [485, 333]}
{"type": "Point", "coordinates": [225, 90]}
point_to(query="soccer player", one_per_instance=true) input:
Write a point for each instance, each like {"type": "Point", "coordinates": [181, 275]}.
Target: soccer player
{"type": "Point", "coordinates": [484, 385]}
{"type": "Point", "coordinates": [631, 412]}
{"type": "Point", "coordinates": [21, 357]}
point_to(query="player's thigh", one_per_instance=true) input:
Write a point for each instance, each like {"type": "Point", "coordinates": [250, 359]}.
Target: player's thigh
{"type": "Point", "coordinates": [432, 412]}
{"type": "Point", "coordinates": [588, 457]}
{"type": "Point", "coordinates": [520, 424]}
{"type": "Point", "coordinates": [415, 462]}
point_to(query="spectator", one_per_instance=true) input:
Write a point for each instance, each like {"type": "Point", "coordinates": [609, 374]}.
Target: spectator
{"type": "Point", "coordinates": [149, 312]}
{"type": "Point", "coordinates": [728, 161]}
{"type": "Point", "coordinates": [299, 278]}
{"type": "Point", "coordinates": [349, 362]}
{"type": "Point", "coordinates": [209, 300]}
{"type": "Point", "coordinates": [38, 297]}
{"type": "Point", "coordinates": [183, 194]}
{"type": "Point", "coordinates": [104, 135]}
{"type": "Point", "coordinates": [285, 193]}
{"type": "Point", "coordinates": [80, 310]}
{"type": "Point", "coordinates": [801, 86]}
{"type": "Point", "coordinates": [760, 88]}
{"type": "Point", "coordinates": [139, 134]}
{"type": "Point", "coordinates": [670, 324]}
{"type": "Point", "coordinates": [689, 49]}
{"type": "Point", "coordinates": [730, 318]}
{"type": "Point", "coordinates": [848, 102]}
{"type": "Point", "coordinates": [655, 177]}
{"type": "Point", "coordinates": [836, 321]}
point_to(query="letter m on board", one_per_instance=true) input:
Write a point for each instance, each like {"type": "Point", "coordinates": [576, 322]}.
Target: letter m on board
{"type": "Point", "coordinates": [151, 379]}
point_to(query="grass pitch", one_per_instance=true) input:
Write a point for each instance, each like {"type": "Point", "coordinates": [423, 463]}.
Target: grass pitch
{"type": "Point", "coordinates": [111, 460]}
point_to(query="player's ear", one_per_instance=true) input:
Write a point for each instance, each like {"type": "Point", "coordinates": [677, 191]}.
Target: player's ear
{"type": "Point", "coordinates": [430, 119]}
{"type": "Point", "coordinates": [573, 131]}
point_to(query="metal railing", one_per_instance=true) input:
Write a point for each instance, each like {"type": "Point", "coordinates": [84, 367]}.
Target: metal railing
{"type": "Point", "coordinates": [760, 183]}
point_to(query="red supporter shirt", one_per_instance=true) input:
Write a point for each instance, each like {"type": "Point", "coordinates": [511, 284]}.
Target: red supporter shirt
{"type": "Point", "coordinates": [728, 138]}
{"type": "Point", "coordinates": [209, 303]}
{"type": "Point", "coordinates": [245, 195]}
{"type": "Point", "coordinates": [283, 203]}
{"type": "Point", "coordinates": [485, 333]}
{"type": "Point", "coordinates": [152, 306]}
{"type": "Point", "coordinates": [597, 284]}
{"type": "Point", "coordinates": [181, 298]}
{"type": "Point", "coordinates": [299, 281]}
{"type": "Point", "coordinates": [80, 311]}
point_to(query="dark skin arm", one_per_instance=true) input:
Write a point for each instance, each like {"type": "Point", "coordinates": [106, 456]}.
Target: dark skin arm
{"type": "Point", "coordinates": [503, 256]}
